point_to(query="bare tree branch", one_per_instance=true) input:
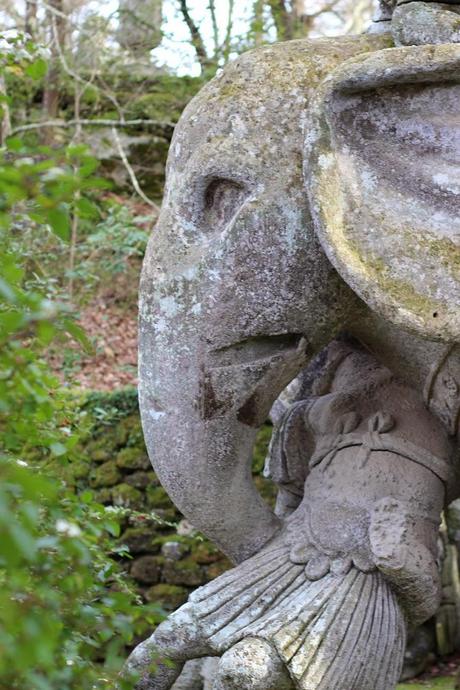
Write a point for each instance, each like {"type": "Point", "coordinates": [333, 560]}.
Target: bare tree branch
{"type": "Point", "coordinates": [51, 91]}
{"type": "Point", "coordinates": [328, 7]}
{"type": "Point", "coordinates": [257, 24]}
{"type": "Point", "coordinates": [130, 171]}
{"type": "Point", "coordinates": [195, 35]}
{"type": "Point", "coordinates": [282, 18]}
{"type": "Point", "coordinates": [5, 121]}
{"type": "Point", "coordinates": [31, 18]}
{"type": "Point", "coordinates": [215, 28]}
{"type": "Point", "coordinates": [228, 33]}
{"type": "Point", "coordinates": [166, 128]}
{"type": "Point", "coordinates": [51, 8]}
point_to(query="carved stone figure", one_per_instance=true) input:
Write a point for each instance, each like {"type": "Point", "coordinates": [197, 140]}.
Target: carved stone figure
{"type": "Point", "coordinates": [363, 470]}
{"type": "Point", "coordinates": [313, 189]}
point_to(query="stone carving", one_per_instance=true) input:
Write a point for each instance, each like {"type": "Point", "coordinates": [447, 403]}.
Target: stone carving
{"type": "Point", "coordinates": [367, 466]}
{"type": "Point", "coordinates": [312, 190]}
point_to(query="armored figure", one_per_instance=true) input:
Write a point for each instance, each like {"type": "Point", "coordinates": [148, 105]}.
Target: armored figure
{"type": "Point", "coordinates": [364, 470]}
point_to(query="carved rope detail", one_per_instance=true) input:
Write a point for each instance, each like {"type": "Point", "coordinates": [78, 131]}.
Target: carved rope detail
{"type": "Point", "coordinates": [377, 439]}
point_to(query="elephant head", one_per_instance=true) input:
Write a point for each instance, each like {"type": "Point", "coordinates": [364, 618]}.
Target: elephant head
{"type": "Point", "coordinates": [263, 251]}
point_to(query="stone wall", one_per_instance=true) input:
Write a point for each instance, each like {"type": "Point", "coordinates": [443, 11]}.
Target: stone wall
{"type": "Point", "coordinates": [168, 557]}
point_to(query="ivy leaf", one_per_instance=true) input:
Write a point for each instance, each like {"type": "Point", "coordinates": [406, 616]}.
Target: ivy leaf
{"type": "Point", "coordinates": [58, 449]}
{"type": "Point", "coordinates": [59, 220]}
{"type": "Point", "coordinates": [79, 334]}
{"type": "Point", "coordinates": [37, 70]}
{"type": "Point", "coordinates": [86, 208]}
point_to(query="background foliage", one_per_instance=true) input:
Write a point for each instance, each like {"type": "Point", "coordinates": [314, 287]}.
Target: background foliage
{"type": "Point", "coordinates": [66, 613]}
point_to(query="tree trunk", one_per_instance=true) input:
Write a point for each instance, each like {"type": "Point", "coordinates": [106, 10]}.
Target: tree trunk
{"type": "Point", "coordinates": [51, 92]}
{"type": "Point", "coordinates": [257, 28]}
{"type": "Point", "coordinates": [5, 122]}
{"type": "Point", "coordinates": [196, 38]}
{"type": "Point", "coordinates": [283, 19]}
{"type": "Point", "coordinates": [31, 19]}
{"type": "Point", "coordinates": [291, 21]}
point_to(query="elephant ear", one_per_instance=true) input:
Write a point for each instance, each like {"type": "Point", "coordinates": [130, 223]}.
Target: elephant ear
{"type": "Point", "coordinates": [382, 169]}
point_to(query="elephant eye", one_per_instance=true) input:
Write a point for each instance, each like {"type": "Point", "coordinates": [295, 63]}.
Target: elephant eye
{"type": "Point", "coordinates": [222, 200]}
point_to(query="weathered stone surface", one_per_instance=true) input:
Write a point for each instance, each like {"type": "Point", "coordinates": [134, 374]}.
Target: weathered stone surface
{"type": "Point", "coordinates": [184, 572]}
{"type": "Point", "coordinates": [169, 596]}
{"type": "Point", "coordinates": [313, 189]}
{"type": "Point", "coordinates": [157, 498]}
{"type": "Point", "coordinates": [222, 308]}
{"type": "Point", "coordinates": [127, 496]}
{"type": "Point", "coordinates": [254, 658]}
{"type": "Point", "coordinates": [419, 23]}
{"type": "Point", "coordinates": [140, 540]}
{"type": "Point", "coordinates": [174, 550]}
{"type": "Point", "coordinates": [107, 474]}
{"type": "Point", "coordinates": [377, 122]}
{"type": "Point", "coordinates": [146, 570]}
{"type": "Point", "coordinates": [132, 459]}
{"type": "Point", "coordinates": [369, 464]}
{"type": "Point", "coordinates": [140, 480]}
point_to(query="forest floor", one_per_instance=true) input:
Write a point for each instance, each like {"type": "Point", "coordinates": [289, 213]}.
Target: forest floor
{"type": "Point", "coordinates": [112, 329]}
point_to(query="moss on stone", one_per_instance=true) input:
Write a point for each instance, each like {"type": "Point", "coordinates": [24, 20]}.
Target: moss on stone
{"type": "Point", "coordinates": [184, 572]}
{"type": "Point", "coordinates": [107, 474]}
{"type": "Point", "coordinates": [132, 459]}
{"type": "Point", "coordinates": [103, 496]}
{"type": "Point", "coordinates": [157, 497]}
{"type": "Point", "coordinates": [175, 550]}
{"type": "Point", "coordinates": [434, 684]}
{"type": "Point", "coordinates": [161, 539]}
{"type": "Point", "coordinates": [205, 553]}
{"type": "Point", "coordinates": [147, 569]}
{"type": "Point", "coordinates": [141, 480]}
{"type": "Point", "coordinates": [261, 448]}
{"type": "Point", "coordinates": [170, 597]}
{"type": "Point", "coordinates": [79, 469]}
{"type": "Point", "coordinates": [127, 432]}
{"type": "Point", "coordinates": [140, 540]}
{"type": "Point", "coordinates": [168, 518]}
{"type": "Point", "coordinates": [101, 448]}
{"type": "Point", "coordinates": [216, 569]}
{"type": "Point", "coordinates": [127, 496]}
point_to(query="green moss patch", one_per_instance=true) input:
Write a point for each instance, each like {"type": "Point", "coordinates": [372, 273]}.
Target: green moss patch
{"type": "Point", "coordinates": [434, 684]}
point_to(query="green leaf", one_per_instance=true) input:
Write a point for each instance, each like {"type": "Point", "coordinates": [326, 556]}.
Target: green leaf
{"type": "Point", "coordinates": [58, 449]}
{"type": "Point", "coordinates": [14, 144]}
{"type": "Point", "coordinates": [10, 322]}
{"type": "Point", "coordinates": [37, 69]}
{"type": "Point", "coordinates": [46, 332]}
{"type": "Point", "coordinates": [79, 334]}
{"type": "Point", "coordinates": [59, 220]}
{"type": "Point", "coordinates": [113, 528]}
{"type": "Point", "coordinates": [6, 292]}
{"type": "Point", "coordinates": [87, 209]}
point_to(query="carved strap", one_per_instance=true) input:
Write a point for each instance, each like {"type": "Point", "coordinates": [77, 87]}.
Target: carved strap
{"type": "Point", "coordinates": [378, 439]}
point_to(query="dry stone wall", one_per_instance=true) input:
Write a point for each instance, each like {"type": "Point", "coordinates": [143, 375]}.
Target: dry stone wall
{"type": "Point", "coordinates": [168, 558]}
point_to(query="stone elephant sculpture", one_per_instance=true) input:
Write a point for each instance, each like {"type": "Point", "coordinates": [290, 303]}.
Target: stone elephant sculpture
{"type": "Point", "coordinates": [312, 189]}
